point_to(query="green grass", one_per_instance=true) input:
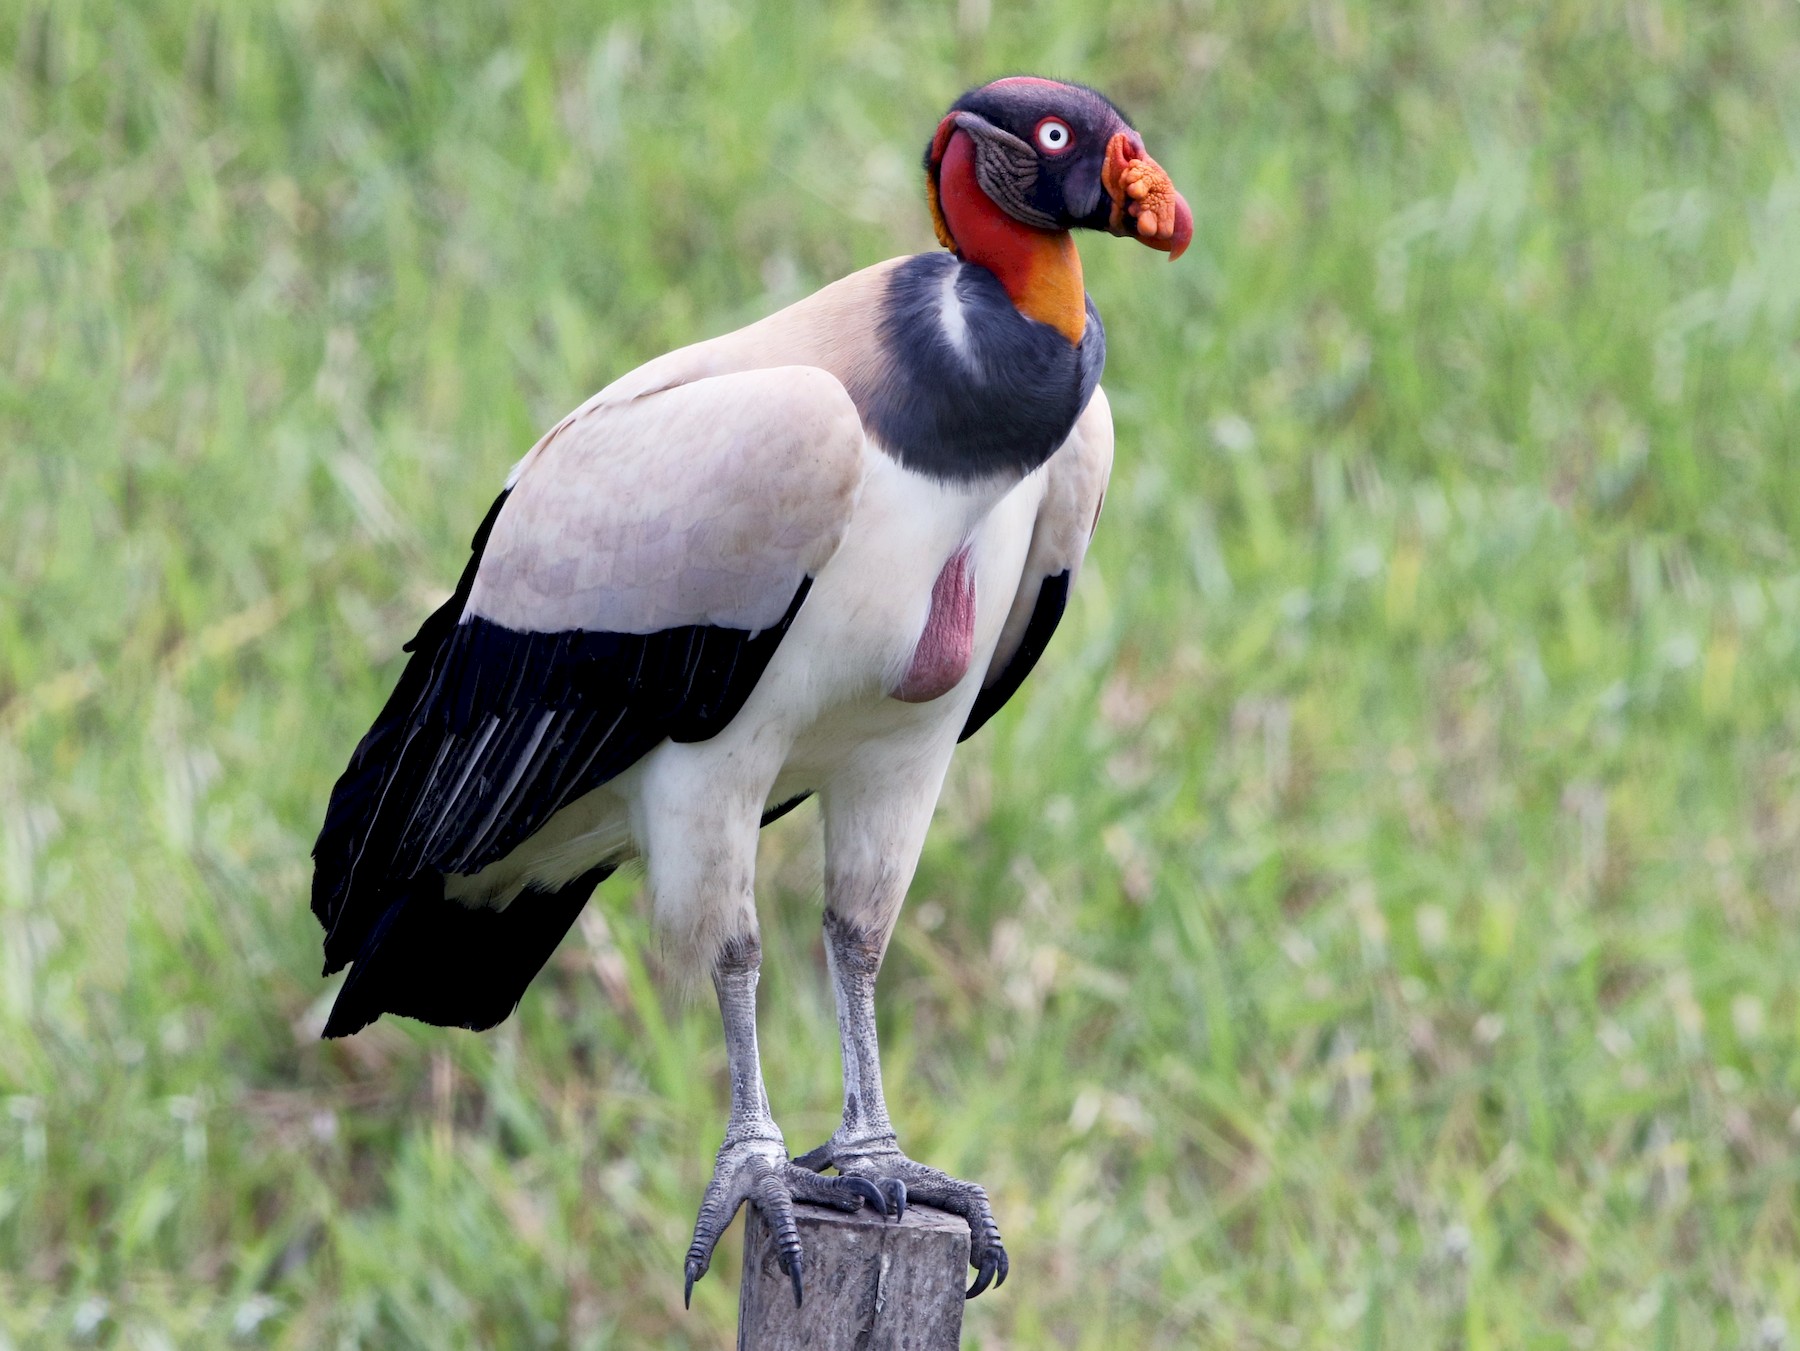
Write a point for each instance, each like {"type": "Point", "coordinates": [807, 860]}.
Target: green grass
{"type": "Point", "coordinates": [1375, 926]}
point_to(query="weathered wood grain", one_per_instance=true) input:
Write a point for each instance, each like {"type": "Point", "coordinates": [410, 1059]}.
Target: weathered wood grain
{"type": "Point", "coordinates": [871, 1284]}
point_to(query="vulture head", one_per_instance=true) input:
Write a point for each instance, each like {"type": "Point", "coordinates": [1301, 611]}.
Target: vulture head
{"type": "Point", "coordinates": [1053, 157]}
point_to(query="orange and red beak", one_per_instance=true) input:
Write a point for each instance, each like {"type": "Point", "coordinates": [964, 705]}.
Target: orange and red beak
{"type": "Point", "coordinates": [1144, 201]}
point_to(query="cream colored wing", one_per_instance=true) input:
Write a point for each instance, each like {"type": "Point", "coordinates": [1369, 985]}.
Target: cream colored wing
{"type": "Point", "coordinates": [705, 503]}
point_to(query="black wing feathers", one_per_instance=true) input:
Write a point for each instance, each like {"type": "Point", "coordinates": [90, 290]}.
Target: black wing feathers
{"type": "Point", "coordinates": [1053, 597]}
{"type": "Point", "coordinates": [489, 732]}
{"type": "Point", "coordinates": [521, 724]}
{"type": "Point", "coordinates": [360, 788]}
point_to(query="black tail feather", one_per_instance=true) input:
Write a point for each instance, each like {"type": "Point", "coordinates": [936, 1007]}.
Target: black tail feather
{"type": "Point", "coordinates": [431, 958]}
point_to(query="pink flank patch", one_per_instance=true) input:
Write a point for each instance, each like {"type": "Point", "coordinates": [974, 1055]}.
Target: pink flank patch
{"type": "Point", "coordinates": [942, 657]}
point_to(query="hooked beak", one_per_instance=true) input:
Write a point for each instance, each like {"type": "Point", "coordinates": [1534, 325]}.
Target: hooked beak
{"type": "Point", "coordinates": [1144, 201]}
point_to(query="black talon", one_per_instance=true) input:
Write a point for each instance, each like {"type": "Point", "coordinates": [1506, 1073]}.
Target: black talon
{"type": "Point", "coordinates": [793, 1270]}
{"type": "Point", "coordinates": [687, 1292]}
{"type": "Point", "coordinates": [866, 1189]}
{"type": "Point", "coordinates": [886, 1173]}
{"type": "Point", "coordinates": [896, 1193]}
{"type": "Point", "coordinates": [982, 1277]}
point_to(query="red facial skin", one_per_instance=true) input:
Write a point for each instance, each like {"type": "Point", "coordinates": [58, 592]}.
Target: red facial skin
{"type": "Point", "coordinates": [1040, 269]}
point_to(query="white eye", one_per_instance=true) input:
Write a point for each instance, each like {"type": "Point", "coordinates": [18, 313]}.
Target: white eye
{"type": "Point", "coordinates": [1053, 136]}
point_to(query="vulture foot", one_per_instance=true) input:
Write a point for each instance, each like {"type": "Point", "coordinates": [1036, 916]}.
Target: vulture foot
{"type": "Point", "coordinates": [898, 1179]}
{"type": "Point", "coordinates": [758, 1171]}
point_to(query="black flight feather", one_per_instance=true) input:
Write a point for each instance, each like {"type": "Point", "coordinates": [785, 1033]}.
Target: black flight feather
{"type": "Point", "coordinates": [489, 733]}
{"type": "Point", "coordinates": [1053, 598]}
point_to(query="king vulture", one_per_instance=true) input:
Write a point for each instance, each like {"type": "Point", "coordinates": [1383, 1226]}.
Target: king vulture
{"type": "Point", "coordinates": [803, 559]}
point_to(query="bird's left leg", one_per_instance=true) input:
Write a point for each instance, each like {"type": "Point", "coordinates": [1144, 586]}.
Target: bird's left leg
{"type": "Point", "coordinates": [872, 848]}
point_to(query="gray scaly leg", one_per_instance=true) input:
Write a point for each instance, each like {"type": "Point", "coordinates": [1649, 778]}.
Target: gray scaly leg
{"type": "Point", "coordinates": [865, 1146]}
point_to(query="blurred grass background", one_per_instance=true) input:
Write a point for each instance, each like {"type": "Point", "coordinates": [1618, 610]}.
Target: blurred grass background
{"type": "Point", "coordinates": [1375, 926]}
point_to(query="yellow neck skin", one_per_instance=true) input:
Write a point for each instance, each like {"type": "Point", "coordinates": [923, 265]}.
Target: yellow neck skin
{"type": "Point", "coordinates": [1051, 290]}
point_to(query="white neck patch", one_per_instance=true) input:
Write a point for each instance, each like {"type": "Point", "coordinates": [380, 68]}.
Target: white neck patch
{"type": "Point", "coordinates": [950, 314]}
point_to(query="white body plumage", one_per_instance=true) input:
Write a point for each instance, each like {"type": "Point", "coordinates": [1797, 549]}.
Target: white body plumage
{"type": "Point", "coordinates": [822, 718]}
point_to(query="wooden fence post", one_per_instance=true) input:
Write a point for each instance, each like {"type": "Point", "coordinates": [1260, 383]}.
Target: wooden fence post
{"type": "Point", "coordinates": [871, 1284]}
